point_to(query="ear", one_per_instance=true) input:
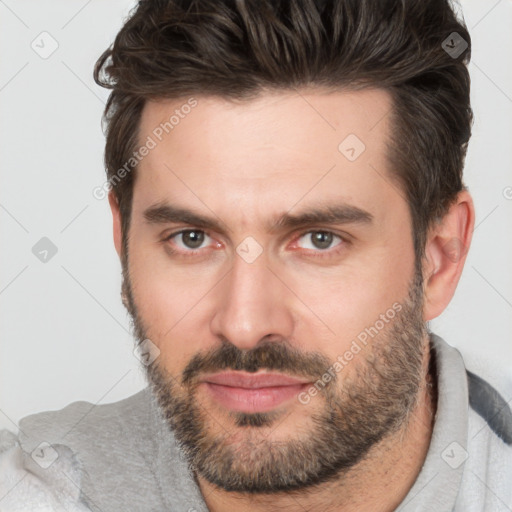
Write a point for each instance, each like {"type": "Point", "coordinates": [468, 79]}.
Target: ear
{"type": "Point", "coordinates": [116, 217]}
{"type": "Point", "coordinates": [446, 248]}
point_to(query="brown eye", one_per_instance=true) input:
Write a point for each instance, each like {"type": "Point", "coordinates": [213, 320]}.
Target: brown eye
{"type": "Point", "coordinates": [322, 239]}
{"type": "Point", "coordinates": [192, 239]}
{"type": "Point", "coordinates": [188, 239]}
{"type": "Point", "coordinates": [319, 239]}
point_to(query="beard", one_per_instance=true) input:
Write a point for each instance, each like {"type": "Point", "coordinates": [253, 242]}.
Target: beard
{"type": "Point", "coordinates": [355, 410]}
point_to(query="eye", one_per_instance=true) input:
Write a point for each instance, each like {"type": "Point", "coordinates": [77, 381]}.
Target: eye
{"type": "Point", "coordinates": [319, 240]}
{"type": "Point", "coordinates": [317, 243]}
{"type": "Point", "coordinates": [188, 240]}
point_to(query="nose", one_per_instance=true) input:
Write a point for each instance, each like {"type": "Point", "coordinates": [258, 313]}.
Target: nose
{"type": "Point", "coordinates": [252, 305]}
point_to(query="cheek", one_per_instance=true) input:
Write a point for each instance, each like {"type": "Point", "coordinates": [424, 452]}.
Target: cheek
{"type": "Point", "coordinates": [342, 301]}
{"type": "Point", "coordinates": [170, 301]}
{"type": "Point", "coordinates": [164, 291]}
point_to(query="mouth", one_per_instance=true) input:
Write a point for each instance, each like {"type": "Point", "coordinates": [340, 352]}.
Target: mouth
{"type": "Point", "coordinates": [250, 392]}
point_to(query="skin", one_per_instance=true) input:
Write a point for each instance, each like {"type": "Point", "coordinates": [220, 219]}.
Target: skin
{"type": "Point", "coordinates": [245, 164]}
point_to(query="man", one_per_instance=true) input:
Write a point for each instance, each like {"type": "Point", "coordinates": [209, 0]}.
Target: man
{"type": "Point", "coordinates": [286, 187]}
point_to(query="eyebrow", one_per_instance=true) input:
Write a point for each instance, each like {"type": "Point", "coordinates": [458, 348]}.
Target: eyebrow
{"type": "Point", "coordinates": [164, 213]}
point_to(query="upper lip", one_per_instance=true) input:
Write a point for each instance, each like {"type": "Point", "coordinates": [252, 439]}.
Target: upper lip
{"type": "Point", "coordinates": [252, 380]}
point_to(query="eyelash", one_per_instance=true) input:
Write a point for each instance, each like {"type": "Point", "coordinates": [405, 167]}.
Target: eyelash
{"type": "Point", "coordinates": [315, 254]}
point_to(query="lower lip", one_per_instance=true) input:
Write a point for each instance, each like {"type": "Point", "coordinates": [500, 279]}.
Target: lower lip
{"type": "Point", "coordinates": [253, 400]}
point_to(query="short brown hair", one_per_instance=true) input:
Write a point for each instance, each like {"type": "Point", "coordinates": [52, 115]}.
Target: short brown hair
{"type": "Point", "coordinates": [237, 49]}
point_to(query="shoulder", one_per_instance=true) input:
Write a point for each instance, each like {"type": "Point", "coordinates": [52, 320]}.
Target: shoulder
{"type": "Point", "coordinates": [49, 478]}
{"type": "Point", "coordinates": [487, 477]}
{"type": "Point", "coordinates": [49, 461]}
{"type": "Point", "coordinates": [80, 421]}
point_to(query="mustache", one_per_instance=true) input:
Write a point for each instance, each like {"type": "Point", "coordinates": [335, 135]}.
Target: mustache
{"type": "Point", "coordinates": [269, 356]}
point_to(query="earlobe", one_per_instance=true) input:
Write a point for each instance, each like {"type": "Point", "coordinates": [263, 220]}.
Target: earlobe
{"type": "Point", "coordinates": [116, 218]}
{"type": "Point", "coordinates": [445, 254]}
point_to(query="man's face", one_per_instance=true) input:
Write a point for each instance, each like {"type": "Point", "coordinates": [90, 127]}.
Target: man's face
{"type": "Point", "coordinates": [255, 293]}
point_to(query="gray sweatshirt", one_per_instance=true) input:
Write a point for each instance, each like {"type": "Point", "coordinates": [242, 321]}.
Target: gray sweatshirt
{"type": "Point", "coordinates": [122, 456]}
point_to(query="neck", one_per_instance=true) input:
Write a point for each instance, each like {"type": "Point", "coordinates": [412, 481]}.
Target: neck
{"type": "Point", "coordinates": [378, 483]}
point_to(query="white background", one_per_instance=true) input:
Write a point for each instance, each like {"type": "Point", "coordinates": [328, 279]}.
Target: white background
{"type": "Point", "coordinates": [64, 332]}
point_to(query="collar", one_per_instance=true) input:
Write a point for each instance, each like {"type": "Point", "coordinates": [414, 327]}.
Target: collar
{"type": "Point", "coordinates": [438, 483]}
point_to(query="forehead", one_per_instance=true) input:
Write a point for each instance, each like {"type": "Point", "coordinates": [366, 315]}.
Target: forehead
{"type": "Point", "coordinates": [306, 119]}
{"type": "Point", "coordinates": [271, 152]}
